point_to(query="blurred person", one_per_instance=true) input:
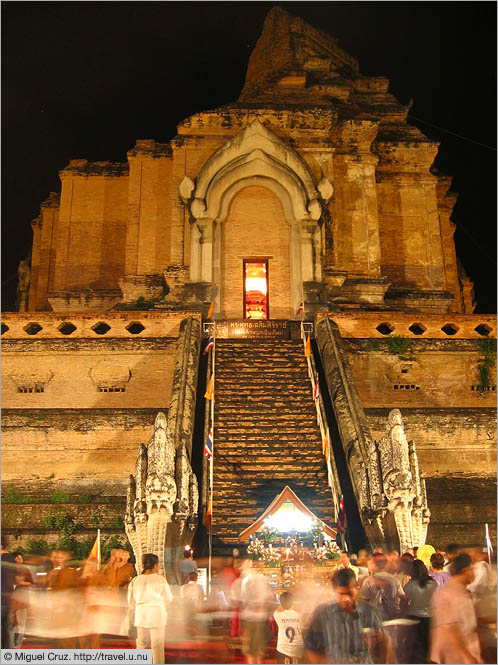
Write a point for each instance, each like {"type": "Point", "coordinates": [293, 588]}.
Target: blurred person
{"type": "Point", "coordinates": [257, 603]}
{"type": "Point", "coordinates": [149, 596]}
{"type": "Point", "coordinates": [8, 581]}
{"type": "Point", "coordinates": [404, 568]}
{"type": "Point", "coordinates": [20, 598]}
{"type": "Point", "coordinates": [346, 563]}
{"type": "Point", "coordinates": [382, 589]}
{"type": "Point", "coordinates": [482, 574]}
{"type": "Point", "coordinates": [192, 594]}
{"type": "Point", "coordinates": [483, 592]}
{"type": "Point", "coordinates": [419, 592]}
{"type": "Point", "coordinates": [308, 596]}
{"type": "Point", "coordinates": [410, 551]}
{"type": "Point", "coordinates": [229, 574]}
{"type": "Point", "coordinates": [436, 570]}
{"type": "Point", "coordinates": [362, 564]}
{"type": "Point", "coordinates": [454, 637]}
{"type": "Point", "coordinates": [392, 561]}
{"type": "Point", "coordinates": [290, 646]}
{"type": "Point", "coordinates": [90, 580]}
{"type": "Point", "coordinates": [122, 571]}
{"type": "Point", "coordinates": [216, 604]}
{"type": "Point", "coordinates": [452, 551]}
{"type": "Point", "coordinates": [62, 580]}
{"type": "Point", "coordinates": [348, 630]}
{"type": "Point", "coordinates": [187, 566]}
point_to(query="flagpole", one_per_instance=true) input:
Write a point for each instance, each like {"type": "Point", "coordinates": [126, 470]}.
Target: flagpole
{"type": "Point", "coordinates": [211, 461]}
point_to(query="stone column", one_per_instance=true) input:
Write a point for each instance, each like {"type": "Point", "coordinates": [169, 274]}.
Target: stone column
{"type": "Point", "coordinates": [296, 278]}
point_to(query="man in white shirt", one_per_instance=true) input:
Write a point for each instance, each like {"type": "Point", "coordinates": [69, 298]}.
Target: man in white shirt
{"type": "Point", "coordinates": [290, 645]}
{"type": "Point", "coordinates": [193, 592]}
{"type": "Point", "coordinates": [382, 589]}
{"type": "Point", "coordinates": [193, 599]}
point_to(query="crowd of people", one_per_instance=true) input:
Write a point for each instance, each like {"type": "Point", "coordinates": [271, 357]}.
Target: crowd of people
{"type": "Point", "coordinates": [378, 607]}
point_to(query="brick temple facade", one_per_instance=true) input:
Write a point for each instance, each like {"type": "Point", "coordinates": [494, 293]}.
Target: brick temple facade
{"type": "Point", "coordinates": [314, 178]}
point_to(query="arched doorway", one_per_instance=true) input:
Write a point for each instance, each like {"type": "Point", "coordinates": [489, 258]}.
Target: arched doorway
{"type": "Point", "coordinates": [256, 257]}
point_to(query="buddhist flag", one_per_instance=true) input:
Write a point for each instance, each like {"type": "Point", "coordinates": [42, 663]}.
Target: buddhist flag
{"type": "Point", "coordinates": [307, 348]}
{"type": "Point", "coordinates": [341, 518]}
{"type": "Point", "coordinates": [210, 310]}
{"type": "Point", "coordinates": [316, 391]}
{"type": "Point", "coordinates": [95, 551]}
{"type": "Point", "coordinates": [208, 446]}
{"type": "Point", "coordinates": [300, 309]}
{"type": "Point", "coordinates": [209, 346]}
{"type": "Point", "coordinates": [210, 389]}
{"type": "Point", "coordinates": [326, 444]}
{"type": "Point", "coordinates": [208, 519]}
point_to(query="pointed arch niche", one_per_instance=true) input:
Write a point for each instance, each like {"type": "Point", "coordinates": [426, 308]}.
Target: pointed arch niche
{"type": "Point", "coordinates": [254, 158]}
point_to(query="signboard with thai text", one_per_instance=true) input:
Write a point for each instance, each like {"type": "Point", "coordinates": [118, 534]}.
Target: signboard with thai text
{"type": "Point", "coordinates": [246, 329]}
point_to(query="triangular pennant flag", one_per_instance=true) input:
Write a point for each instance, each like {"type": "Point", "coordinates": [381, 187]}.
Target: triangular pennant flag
{"type": "Point", "coordinates": [95, 551]}
{"type": "Point", "coordinates": [208, 446]}
{"type": "Point", "coordinates": [316, 391]}
{"type": "Point", "coordinates": [307, 348]}
{"type": "Point", "coordinates": [209, 346]}
{"type": "Point", "coordinates": [210, 389]}
{"type": "Point", "coordinates": [210, 310]}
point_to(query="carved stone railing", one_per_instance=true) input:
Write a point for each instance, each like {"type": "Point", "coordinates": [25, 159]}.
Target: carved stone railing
{"type": "Point", "coordinates": [321, 419]}
{"type": "Point", "coordinates": [163, 496]}
{"type": "Point", "coordinates": [385, 476]}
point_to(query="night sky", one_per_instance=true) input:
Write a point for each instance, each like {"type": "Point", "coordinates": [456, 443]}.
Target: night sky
{"type": "Point", "coordinates": [86, 80]}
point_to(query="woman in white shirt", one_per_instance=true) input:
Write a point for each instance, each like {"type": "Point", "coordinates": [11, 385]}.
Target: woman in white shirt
{"type": "Point", "coordinates": [148, 595]}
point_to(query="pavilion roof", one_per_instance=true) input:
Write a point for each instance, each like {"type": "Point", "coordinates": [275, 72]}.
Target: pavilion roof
{"type": "Point", "coordinates": [287, 494]}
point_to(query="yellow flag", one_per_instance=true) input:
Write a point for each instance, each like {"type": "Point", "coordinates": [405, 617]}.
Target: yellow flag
{"type": "Point", "coordinates": [325, 444]}
{"type": "Point", "coordinates": [208, 519]}
{"type": "Point", "coordinates": [307, 348]}
{"type": "Point", "coordinates": [210, 389]}
{"type": "Point", "coordinates": [210, 310]}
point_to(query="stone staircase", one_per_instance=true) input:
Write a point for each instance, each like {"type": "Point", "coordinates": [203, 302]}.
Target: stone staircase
{"type": "Point", "coordinates": [265, 435]}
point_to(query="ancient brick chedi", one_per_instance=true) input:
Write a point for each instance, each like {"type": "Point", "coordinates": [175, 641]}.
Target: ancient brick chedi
{"type": "Point", "coordinates": [314, 178]}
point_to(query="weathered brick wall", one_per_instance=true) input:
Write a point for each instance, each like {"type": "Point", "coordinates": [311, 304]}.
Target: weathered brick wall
{"type": "Point", "coordinates": [43, 260]}
{"type": "Point", "coordinates": [434, 377]}
{"type": "Point", "coordinates": [77, 405]}
{"type": "Point", "coordinates": [256, 228]}
{"type": "Point", "coordinates": [449, 440]}
{"type": "Point", "coordinates": [90, 448]}
{"type": "Point", "coordinates": [460, 508]}
{"type": "Point", "coordinates": [53, 510]}
{"type": "Point", "coordinates": [410, 235]}
{"type": "Point", "coordinates": [92, 226]}
{"type": "Point", "coordinates": [149, 228]}
{"type": "Point", "coordinates": [78, 374]}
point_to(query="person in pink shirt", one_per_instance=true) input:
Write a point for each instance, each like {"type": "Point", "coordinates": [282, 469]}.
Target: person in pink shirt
{"type": "Point", "coordinates": [436, 572]}
{"type": "Point", "coordinates": [454, 623]}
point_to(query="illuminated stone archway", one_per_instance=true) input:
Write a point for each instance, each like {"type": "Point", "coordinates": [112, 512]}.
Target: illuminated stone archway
{"type": "Point", "coordinates": [255, 157]}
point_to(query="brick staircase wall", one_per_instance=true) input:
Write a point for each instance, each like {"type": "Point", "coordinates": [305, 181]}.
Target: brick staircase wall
{"type": "Point", "coordinates": [265, 435]}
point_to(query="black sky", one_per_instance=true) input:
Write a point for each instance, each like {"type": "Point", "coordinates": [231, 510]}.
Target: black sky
{"type": "Point", "coordinates": [86, 80]}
